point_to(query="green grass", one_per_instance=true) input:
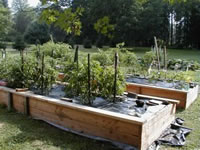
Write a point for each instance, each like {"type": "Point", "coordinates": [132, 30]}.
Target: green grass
{"type": "Point", "coordinates": [188, 54]}
{"type": "Point", "coordinates": [192, 120]}
{"type": "Point", "coordinates": [18, 132]}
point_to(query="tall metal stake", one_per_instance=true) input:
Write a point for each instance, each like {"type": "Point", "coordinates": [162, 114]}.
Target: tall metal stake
{"type": "Point", "coordinates": [89, 86]}
{"type": "Point", "coordinates": [115, 80]}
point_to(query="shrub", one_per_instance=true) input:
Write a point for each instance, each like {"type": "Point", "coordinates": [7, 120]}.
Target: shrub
{"type": "Point", "coordinates": [103, 58]}
{"type": "Point", "coordinates": [31, 75]}
{"type": "Point", "coordinates": [19, 43]}
{"type": "Point", "coordinates": [148, 59]}
{"type": "Point", "coordinates": [55, 50]}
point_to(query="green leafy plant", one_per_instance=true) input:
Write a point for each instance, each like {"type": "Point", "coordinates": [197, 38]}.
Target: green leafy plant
{"type": "Point", "coordinates": [54, 50]}
{"type": "Point", "coordinates": [102, 82]}
{"type": "Point", "coordinates": [103, 58]}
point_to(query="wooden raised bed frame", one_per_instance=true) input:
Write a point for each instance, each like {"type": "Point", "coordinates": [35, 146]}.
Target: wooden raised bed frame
{"type": "Point", "coordinates": [186, 98]}
{"type": "Point", "coordinates": [138, 132]}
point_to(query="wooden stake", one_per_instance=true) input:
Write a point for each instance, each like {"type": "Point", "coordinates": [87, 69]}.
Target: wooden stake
{"type": "Point", "coordinates": [89, 86]}
{"type": "Point", "coordinates": [76, 55]}
{"type": "Point", "coordinates": [42, 73]}
{"type": "Point", "coordinates": [157, 52]}
{"type": "Point", "coordinates": [22, 59]}
{"type": "Point", "coordinates": [165, 58]}
{"type": "Point", "coordinates": [115, 80]}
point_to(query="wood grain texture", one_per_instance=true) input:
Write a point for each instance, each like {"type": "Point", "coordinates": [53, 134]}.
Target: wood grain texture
{"type": "Point", "coordinates": [185, 97]}
{"type": "Point", "coordinates": [139, 132]}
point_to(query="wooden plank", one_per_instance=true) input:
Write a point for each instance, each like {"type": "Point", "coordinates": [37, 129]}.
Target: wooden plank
{"type": "Point", "coordinates": [192, 96]}
{"type": "Point", "coordinates": [159, 99]}
{"type": "Point", "coordinates": [157, 123]}
{"type": "Point", "coordinates": [4, 96]}
{"type": "Point", "coordinates": [87, 128]}
{"type": "Point", "coordinates": [123, 128]}
{"type": "Point", "coordinates": [159, 92]}
{"type": "Point", "coordinates": [86, 117]}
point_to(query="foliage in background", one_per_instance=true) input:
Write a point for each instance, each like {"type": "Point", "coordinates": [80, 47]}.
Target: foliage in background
{"type": "Point", "coordinates": [178, 64]}
{"type": "Point", "coordinates": [103, 26]}
{"type": "Point", "coordinates": [37, 31]}
{"type": "Point", "coordinates": [5, 21]}
{"type": "Point", "coordinates": [54, 50]}
{"type": "Point", "coordinates": [104, 58]}
{"type": "Point", "coordinates": [19, 43]}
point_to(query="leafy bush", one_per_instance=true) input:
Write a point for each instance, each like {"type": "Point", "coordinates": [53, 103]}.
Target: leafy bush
{"type": "Point", "coordinates": [55, 50]}
{"type": "Point", "coordinates": [178, 64]}
{"type": "Point", "coordinates": [102, 82]}
{"type": "Point", "coordinates": [37, 31]}
{"type": "Point", "coordinates": [130, 59]}
{"type": "Point", "coordinates": [148, 59]}
{"type": "Point", "coordinates": [19, 43]}
{"type": "Point", "coordinates": [103, 58]}
{"type": "Point", "coordinates": [30, 76]}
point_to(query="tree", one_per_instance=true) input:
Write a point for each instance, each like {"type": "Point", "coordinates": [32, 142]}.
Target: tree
{"type": "Point", "coordinates": [5, 21]}
{"type": "Point", "coordinates": [19, 43]}
{"type": "Point", "coordinates": [103, 26]}
{"type": "Point", "coordinates": [23, 15]}
{"type": "Point", "coordinates": [19, 5]}
{"type": "Point", "coordinates": [65, 18]}
{"type": "Point", "coordinates": [37, 31]}
{"type": "Point", "coordinates": [4, 3]}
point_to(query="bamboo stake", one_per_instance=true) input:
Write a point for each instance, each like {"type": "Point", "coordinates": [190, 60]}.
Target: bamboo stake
{"type": "Point", "coordinates": [115, 80]}
{"type": "Point", "coordinates": [89, 86]}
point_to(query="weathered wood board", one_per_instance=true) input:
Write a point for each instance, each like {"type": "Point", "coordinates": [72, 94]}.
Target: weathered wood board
{"type": "Point", "coordinates": [186, 98]}
{"type": "Point", "coordinates": [138, 132]}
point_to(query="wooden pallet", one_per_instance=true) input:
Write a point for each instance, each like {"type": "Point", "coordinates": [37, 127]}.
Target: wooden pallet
{"type": "Point", "coordinates": [138, 132]}
{"type": "Point", "coordinates": [186, 98]}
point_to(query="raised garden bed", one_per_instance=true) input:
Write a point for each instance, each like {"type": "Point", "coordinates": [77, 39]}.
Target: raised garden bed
{"type": "Point", "coordinates": [185, 94]}
{"type": "Point", "coordinates": [139, 132]}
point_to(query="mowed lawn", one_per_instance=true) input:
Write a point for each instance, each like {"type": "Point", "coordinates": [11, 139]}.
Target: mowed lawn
{"type": "Point", "coordinates": [188, 54]}
{"type": "Point", "coordinates": [18, 132]}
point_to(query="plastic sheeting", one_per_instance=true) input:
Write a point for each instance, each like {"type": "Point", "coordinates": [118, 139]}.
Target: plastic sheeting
{"type": "Point", "coordinates": [175, 135]}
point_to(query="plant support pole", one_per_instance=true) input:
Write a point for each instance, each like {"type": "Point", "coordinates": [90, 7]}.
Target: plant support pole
{"type": "Point", "coordinates": [89, 86]}
{"type": "Point", "coordinates": [42, 72]}
{"type": "Point", "coordinates": [157, 52]}
{"type": "Point", "coordinates": [115, 80]}
{"type": "Point", "coordinates": [165, 58]}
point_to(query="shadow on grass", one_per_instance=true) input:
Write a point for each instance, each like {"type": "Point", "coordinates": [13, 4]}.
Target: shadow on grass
{"type": "Point", "coordinates": [21, 130]}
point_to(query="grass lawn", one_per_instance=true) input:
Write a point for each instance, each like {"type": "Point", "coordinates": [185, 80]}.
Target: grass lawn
{"type": "Point", "coordinates": [188, 54]}
{"type": "Point", "coordinates": [19, 132]}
